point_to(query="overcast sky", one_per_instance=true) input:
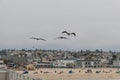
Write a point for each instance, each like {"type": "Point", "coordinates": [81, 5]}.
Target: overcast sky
{"type": "Point", "coordinates": [96, 23]}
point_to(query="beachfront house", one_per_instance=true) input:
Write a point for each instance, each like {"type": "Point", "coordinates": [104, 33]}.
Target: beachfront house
{"type": "Point", "coordinates": [88, 64]}
{"type": "Point", "coordinates": [44, 65]}
{"type": "Point", "coordinates": [64, 63]}
{"type": "Point", "coordinates": [41, 64]}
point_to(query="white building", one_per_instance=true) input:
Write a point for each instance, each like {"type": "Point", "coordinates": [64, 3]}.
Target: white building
{"type": "Point", "coordinates": [63, 62]}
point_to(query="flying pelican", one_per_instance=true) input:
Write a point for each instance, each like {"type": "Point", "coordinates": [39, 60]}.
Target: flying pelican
{"type": "Point", "coordinates": [73, 34]}
{"type": "Point", "coordinates": [38, 38]}
{"type": "Point", "coordinates": [62, 38]}
{"type": "Point", "coordinates": [68, 33]}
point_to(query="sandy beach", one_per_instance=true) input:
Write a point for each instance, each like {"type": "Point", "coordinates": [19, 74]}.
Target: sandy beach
{"type": "Point", "coordinates": [75, 74]}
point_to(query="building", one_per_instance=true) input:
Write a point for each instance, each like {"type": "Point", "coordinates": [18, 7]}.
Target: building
{"type": "Point", "coordinates": [44, 65]}
{"type": "Point", "coordinates": [64, 63]}
{"type": "Point", "coordinates": [88, 64]}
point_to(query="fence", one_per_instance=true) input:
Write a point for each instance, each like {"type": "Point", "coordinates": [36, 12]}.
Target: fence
{"type": "Point", "coordinates": [12, 75]}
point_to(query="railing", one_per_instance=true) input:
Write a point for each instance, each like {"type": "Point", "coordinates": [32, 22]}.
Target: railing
{"type": "Point", "coordinates": [12, 75]}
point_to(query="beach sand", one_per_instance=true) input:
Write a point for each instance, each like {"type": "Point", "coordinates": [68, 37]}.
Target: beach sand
{"type": "Point", "coordinates": [75, 74]}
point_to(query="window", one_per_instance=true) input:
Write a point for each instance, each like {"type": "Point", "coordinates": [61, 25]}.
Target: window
{"type": "Point", "coordinates": [95, 62]}
{"type": "Point", "coordinates": [88, 62]}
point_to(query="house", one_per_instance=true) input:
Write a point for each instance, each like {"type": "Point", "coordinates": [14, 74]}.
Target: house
{"type": "Point", "coordinates": [88, 64]}
{"type": "Point", "coordinates": [64, 63]}
{"type": "Point", "coordinates": [44, 64]}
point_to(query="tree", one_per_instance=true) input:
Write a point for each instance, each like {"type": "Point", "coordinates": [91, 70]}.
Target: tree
{"type": "Point", "coordinates": [114, 57]}
{"type": "Point", "coordinates": [97, 51]}
{"type": "Point", "coordinates": [5, 61]}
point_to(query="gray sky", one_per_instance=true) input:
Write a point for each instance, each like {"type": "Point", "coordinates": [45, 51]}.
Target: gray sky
{"type": "Point", "coordinates": [96, 23]}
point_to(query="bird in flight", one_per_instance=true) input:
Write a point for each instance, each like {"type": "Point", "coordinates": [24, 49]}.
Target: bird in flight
{"type": "Point", "coordinates": [73, 34]}
{"type": "Point", "coordinates": [65, 32]}
{"type": "Point", "coordinates": [62, 38]}
{"type": "Point", "coordinates": [38, 38]}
